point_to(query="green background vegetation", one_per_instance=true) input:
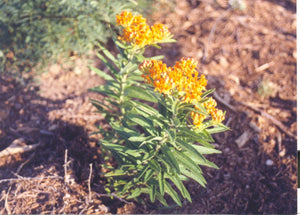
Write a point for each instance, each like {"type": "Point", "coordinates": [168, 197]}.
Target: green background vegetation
{"type": "Point", "coordinates": [34, 31]}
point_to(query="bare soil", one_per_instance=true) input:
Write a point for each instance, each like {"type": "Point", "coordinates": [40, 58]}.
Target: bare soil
{"type": "Point", "coordinates": [248, 56]}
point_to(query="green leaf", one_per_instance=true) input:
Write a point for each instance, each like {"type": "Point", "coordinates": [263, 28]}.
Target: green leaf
{"type": "Point", "coordinates": [173, 194]}
{"type": "Point", "coordinates": [117, 172]}
{"type": "Point", "coordinates": [170, 159]}
{"type": "Point", "coordinates": [217, 129]}
{"type": "Point", "coordinates": [207, 92]}
{"type": "Point", "coordinates": [108, 54]}
{"type": "Point", "coordinates": [187, 161]}
{"type": "Point", "coordinates": [120, 45]}
{"type": "Point", "coordinates": [155, 165]}
{"type": "Point", "coordinates": [108, 64]}
{"type": "Point", "coordinates": [205, 143]}
{"type": "Point", "coordinates": [151, 139]}
{"type": "Point", "coordinates": [175, 107]}
{"type": "Point", "coordinates": [135, 193]}
{"type": "Point", "coordinates": [124, 131]}
{"type": "Point", "coordinates": [148, 175]}
{"type": "Point", "coordinates": [128, 186]}
{"type": "Point", "coordinates": [150, 113]}
{"type": "Point", "coordinates": [207, 135]}
{"type": "Point", "coordinates": [137, 138]}
{"type": "Point", "coordinates": [121, 149]}
{"type": "Point", "coordinates": [206, 150]}
{"type": "Point", "coordinates": [158, 57]}
{"type": "Point", "coordinates": [102, 106]}
{"type": "Point", "coordinates": [201, 111]}
{"type": "Point", "coordinates": [142, 172]}
{"type": "Point", "coordinates": [185, 132]}
{"type": "Point", "coordinates": [140, 120]}
{"type": "Point", "coordinates": [161, 182]}
{"type": "Point", "coordinates": [190, 149]}
{"type": "Point", "coordinates": [105, 90]}
{"type": "Point", "coordinates": [152, 193]}
{"type": "Point", "coordinates": [139, 93]}
{"type": "Point", "coordinates": [178, 183]}
{"type": "Point", "coordinates": [169, 40]}
{"type": "Point", "coordinates": [194, 175]}
{"type": "Point", "coordinates": [102, 74]}
{"type": "Point", "coordinates": [171, 135]}
{"type": "Point", "coordinates": [128, 68]}
{"type": "Point", "coordinates": [135, 78]}
{"type": "Point", "coordinates": [161, 199]}
{"type": "Point", "coordinates": [144, 107]}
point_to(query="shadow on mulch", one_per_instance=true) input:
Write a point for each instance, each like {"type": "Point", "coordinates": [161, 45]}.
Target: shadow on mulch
{"type": "Point", "coordinates": [36, 178]}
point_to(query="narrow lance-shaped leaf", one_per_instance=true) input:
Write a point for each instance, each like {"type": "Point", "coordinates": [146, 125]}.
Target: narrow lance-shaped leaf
{"type": "Point", "coordinates": [173, 194]}
{"type": "Point", "coordinates": [207, 92]}
{"type": "Point", "coordinates": [178, 183]}
{"type": "Point", "coordinates": [112, 68]}
{"type": "Point", "coordinates": [217, 129]}
{"type": "Point", "coordinates": [139, 93]}
{"type": "Point", "coordinates": [190, 149]}
{"type": "Point", "coordinates": [135, 193]}
{"type": "Point", "coordinates": [170, 159]}
{"type": "Point", "coordinates": [152, 193]}
{"type": "Point", "coordinates": [205, 150]}
{"type": "Point", "coordinates": [102, 74]}
{"type": "Point", "coordinates": [161, 182]}
{"type": "Point", "coordinates": [108, 54]}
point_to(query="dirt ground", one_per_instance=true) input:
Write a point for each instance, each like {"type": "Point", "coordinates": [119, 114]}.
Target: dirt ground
{"type": "Point", "coordinates": [51, 164]}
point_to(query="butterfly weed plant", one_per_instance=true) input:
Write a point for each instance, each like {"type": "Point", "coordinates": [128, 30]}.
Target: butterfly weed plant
{"type": "Point", "coordinates": [160, 118]}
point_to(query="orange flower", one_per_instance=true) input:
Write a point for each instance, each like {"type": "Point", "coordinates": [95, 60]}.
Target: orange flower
{"type": "Point", "coordinates": [182, 78]}
{"type": "Point", "coordinates": [187, 80]}
{"type": "Point", "coordinates": [137, 32]}
{"type": "Point", "coordinates": [157, 74]}
{"type": "Point", "coordinates": [197, 119]}
{"type": "Point", "coordinates": [217, 116]}
{"type": "Point", "coordinates": [124, 19]}
{"type": "Point", "coordinates": [210, 105]}
{"type": "Point", "coordinates": [159, 32]}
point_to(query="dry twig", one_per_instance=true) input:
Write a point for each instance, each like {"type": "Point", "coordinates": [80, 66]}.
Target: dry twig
{"type": "Point", "coordinates": [113, 195]}
{"type": "Point", "coordinates": [272, 119]}
{"type": "Point", "coordinates": [212, 32]}
{"type": "Point", "coordinates": [66, 178]}
{"type": "Point", "coordinates": [20, 178]}
{"type": "Point", "coordinates": [25, 162]}
{"type": "Point", "coordinates": [89, 182]}
{"type": "Point", "coordinates": [217, 97]}
{"type": "Point", "coordinates": [18, 146]}
{"type": "Point", "coordinates": [6, 205]}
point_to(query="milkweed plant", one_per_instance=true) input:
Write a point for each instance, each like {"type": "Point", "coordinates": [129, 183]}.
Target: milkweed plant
{"type": "Point", "coordinates": [160, 118]}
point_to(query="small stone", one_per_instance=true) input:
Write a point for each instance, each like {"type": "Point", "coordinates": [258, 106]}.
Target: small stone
{"type": "Point", "coordinates": [269, 162]}
{"type": "Point", "coordinates": [226, 150]}
{"type": "Point", "coordinates": [282, 152]}
{"type": "Point", "coordinates": [53, 127]}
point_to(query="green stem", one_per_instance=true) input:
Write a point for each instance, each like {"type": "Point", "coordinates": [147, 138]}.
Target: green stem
{"type": "Point", "coordinates": [122, 91]}
{"type": "Point", "coordinates": [123, 85]}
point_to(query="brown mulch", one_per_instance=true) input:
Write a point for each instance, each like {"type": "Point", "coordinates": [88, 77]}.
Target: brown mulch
{"type": "Point", "coordinates": [248, 56]}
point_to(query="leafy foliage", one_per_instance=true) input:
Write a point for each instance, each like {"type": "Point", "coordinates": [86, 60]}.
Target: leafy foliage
{"type": "Point", "coordinates": [33, 31]}
{"type": "Point", "coordinates": [151, 138]}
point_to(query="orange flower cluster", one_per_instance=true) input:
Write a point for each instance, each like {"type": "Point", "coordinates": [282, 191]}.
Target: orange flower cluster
{"type": "Point", "coordinates": [182, 80]}
{"type": "Point", "coordinates": [137, 32]}
{"type": "Point", "coordinates": [216, 114]}
{"type": "Point", "coordinates": [158, 74]}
